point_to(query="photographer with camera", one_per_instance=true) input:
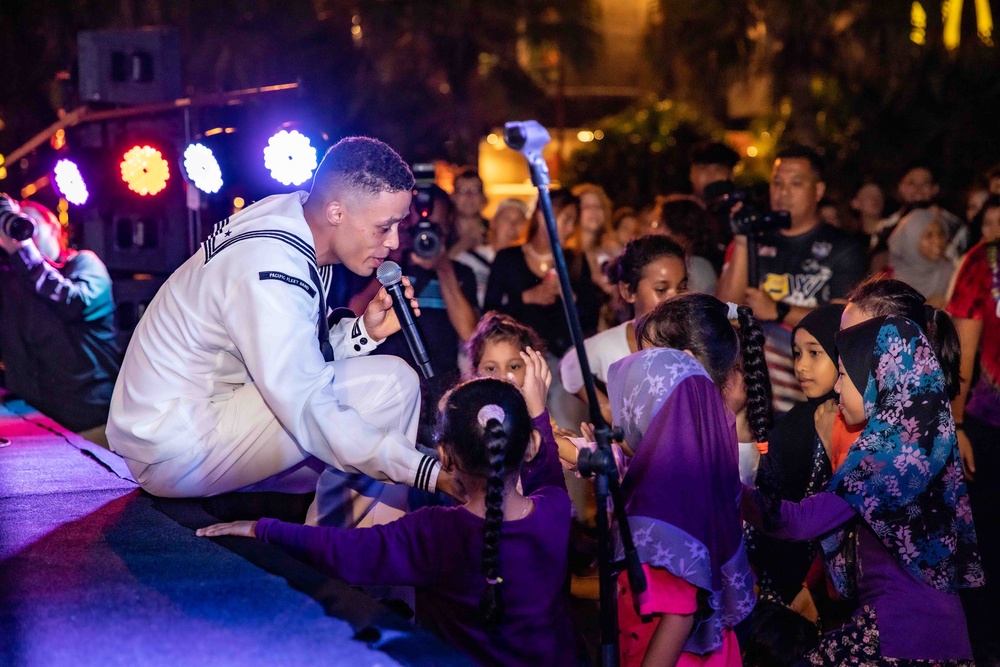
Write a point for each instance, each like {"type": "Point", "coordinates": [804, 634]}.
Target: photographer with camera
{"type": "Point", "coordinates": [57, 334]}
{"type": "Point", "coordinates": [445, 289]}
{"type": "Point", "coordinates": [801, 267]}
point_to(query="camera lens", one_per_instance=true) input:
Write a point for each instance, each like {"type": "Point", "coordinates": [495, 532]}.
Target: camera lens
{"type": "Point", "coordinates": [16, 226]}
{"type": "Point", "coordinates": [426, 243]}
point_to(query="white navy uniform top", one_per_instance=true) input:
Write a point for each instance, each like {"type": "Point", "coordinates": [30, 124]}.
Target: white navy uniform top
{"type": "Point", "coordinates": [246, 308]}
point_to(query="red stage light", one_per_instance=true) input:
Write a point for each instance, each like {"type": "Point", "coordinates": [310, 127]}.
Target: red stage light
{"type": "Point", "coordinates": [144, 170]}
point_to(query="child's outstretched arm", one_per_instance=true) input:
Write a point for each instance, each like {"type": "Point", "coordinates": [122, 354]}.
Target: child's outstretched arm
{"type": "Point", "coordinates": [805, 520]}
{"type": "Point", "coordinates": [237, 528]}
{"type": "Point", "coordinates": [406, 552]}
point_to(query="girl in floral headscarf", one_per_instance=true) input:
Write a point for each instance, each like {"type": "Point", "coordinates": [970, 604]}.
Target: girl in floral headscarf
{"type": "Point", "coordinates": [895, 517]}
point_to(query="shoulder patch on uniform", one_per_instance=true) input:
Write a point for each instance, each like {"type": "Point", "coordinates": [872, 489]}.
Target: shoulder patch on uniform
{"type": "Point", "coordinates": [285, 278]}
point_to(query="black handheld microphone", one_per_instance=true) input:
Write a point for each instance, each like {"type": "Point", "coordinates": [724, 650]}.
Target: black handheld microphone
{"type": "Point", "coordinates": [391, 277]}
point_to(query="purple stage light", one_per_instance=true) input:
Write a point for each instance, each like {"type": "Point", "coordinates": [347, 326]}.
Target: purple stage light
{"type": "Point", "coordinates": [290, 158]}
{"type": "Point", "coordinates": [202, 168]}
{"type": "Point", "coordinates": [69, 181]}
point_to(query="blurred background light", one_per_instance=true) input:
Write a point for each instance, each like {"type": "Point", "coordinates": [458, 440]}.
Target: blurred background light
{"type": "Point", "coordinates": [290, 157]}
{"type": "Point", "coordinates": [70, 183]}
{"type": "Point", "coordinates": [144, 170]}
{"type": "Point", "coordinates": [202, 168]}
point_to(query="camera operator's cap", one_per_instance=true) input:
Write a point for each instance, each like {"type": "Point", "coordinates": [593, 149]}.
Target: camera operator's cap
{"type": "Point", "coordinates": [715, 152]}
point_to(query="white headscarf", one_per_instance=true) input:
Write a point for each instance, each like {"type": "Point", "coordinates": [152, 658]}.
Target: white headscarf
{"type": "Point", "coordinates": [930, 278]}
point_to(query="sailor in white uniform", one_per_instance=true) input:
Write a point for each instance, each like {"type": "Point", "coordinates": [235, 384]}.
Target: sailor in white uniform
{"type": "Point", "coordinates": [233, 376]}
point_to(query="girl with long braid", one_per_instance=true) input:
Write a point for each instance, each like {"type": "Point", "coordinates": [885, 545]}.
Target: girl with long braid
{"type": "Point", "coordinates": [675, 400]}
{"type": "Point", "coordinates": [691, 322]}
{"type": "Point", "coordinates": [490, 574]}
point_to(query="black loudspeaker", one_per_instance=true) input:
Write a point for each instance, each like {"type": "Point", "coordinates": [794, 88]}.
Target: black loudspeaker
{"type": "Point", "coordinates": [139, 66]}
{"type": "Point", "coordinates": [132, 297]}
{"type": "Point", "coordinates": [131, 232]}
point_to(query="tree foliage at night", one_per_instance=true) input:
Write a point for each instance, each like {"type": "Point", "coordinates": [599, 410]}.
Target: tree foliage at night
{"type": "Point", "coordinates": [432, 76]}
{"type": "Point", "coordinates": [845, 75]}
{"type": "Point", "coordinates": [429, 76]}
{"type": "Point", "coordinates": [643, 151]}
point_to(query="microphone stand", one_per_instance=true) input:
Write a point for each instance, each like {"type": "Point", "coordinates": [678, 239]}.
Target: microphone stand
{"type": "Point", "coordinates": [529, 137]}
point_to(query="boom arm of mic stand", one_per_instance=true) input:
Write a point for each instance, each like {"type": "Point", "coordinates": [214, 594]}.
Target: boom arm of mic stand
{"type": "Point", "coordinates": [599, 464]}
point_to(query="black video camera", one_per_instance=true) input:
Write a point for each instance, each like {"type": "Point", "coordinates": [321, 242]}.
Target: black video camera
{"type": "Point", "coordinates": [748, 219]}
{"type": "Point", "coordinates": [15, 224]}
{"type": "Point", "coordinates": [427, 236]}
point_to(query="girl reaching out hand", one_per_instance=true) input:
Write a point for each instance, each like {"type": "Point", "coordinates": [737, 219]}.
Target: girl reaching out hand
{"type": "Point", "coordinates": [490, 574]}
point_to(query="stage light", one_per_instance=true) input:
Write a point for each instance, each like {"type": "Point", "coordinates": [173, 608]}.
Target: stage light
{"type": "Point", "coordinates": [70, 183]}
{"type": "Point", "coordinates": [290, 158]}
{"type": "Point", "coordinates": [144, 170]}
{"type": "Point", "coordinates": [202, 168]}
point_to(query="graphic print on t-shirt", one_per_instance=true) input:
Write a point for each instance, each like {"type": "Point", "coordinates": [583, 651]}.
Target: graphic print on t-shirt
{"type": "Point", "coordinates": [806, 286]}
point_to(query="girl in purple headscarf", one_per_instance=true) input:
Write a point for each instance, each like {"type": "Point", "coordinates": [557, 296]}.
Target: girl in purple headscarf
{"type": "Point", "coordinates": [682, 487]}
{"type": "Point", "coordinates": [895, 519]}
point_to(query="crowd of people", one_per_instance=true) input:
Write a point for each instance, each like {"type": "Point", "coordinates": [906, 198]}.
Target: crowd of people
{"type": "Point", "coordinates": [809, 454]}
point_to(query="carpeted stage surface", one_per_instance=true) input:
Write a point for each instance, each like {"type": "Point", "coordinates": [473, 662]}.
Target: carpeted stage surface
{"type": "Point", "coordinates": [95, 572]}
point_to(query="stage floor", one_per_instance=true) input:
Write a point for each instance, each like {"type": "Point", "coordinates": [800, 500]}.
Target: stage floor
{"type": "Point", "coordinates": [93, 571]}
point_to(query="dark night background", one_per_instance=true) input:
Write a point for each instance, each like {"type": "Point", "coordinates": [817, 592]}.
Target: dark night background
{"type": "Point", "coordinates": [873, 84]}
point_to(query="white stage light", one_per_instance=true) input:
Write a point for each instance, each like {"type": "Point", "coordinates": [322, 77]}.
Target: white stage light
{"type": "Point", "coordinates": [202, 168]}
{"type": "Point", "coordinates": [290, 158]}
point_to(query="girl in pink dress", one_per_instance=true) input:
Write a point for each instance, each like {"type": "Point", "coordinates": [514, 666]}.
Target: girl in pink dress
{"type": "Point", "coordinates": [682, 488]}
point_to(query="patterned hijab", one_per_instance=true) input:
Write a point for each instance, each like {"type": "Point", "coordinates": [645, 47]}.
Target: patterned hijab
{"type": "Point", "coordinates": [682, 487]}
{"type": "Point", "coordinates": [904, 474]}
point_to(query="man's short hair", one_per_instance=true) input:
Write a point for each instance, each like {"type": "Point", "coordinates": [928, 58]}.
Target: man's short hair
{"type": "Point", "coordinates": [919, 164]}
{"type": "Point", "coordinates": [715, 152]}
{"type": "Point", "coordinates": [468, 174]}
{"type": "Point", "coordinates": [364, 165]}
{"type": "Point", "coordinates": [801, 152]}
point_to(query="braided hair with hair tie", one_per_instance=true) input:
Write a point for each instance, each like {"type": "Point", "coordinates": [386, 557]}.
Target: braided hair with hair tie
{"type": "Point", "coordinates": [484, 424]}
{"type": "Point", "coordinates": [491, 604]}
{"type": "Point", "coordinates": [760, 415]}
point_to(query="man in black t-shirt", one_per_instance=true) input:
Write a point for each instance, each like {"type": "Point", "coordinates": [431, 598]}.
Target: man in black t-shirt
{"type": "Point", "coordinates": [808, 270]}
{"type": "Point", "coordinates": [801, 268]}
